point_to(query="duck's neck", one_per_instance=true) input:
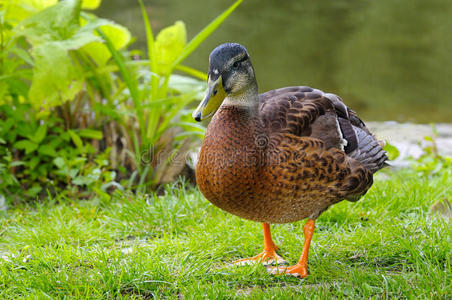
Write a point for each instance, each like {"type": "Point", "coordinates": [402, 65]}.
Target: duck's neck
{"type": "Point", "coordinates": [238, 119]}
{"type": "Point", "coordinates": [247, 99]}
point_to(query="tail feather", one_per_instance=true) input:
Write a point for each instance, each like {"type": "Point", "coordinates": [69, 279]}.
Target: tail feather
{"type": "Point", "coordinates": [369, 151]}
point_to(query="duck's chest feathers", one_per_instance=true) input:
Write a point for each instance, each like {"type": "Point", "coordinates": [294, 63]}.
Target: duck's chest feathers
{"type": "Point", "coordinates": [230, 161]}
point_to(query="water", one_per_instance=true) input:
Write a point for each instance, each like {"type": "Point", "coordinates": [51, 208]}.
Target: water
{"type": "Point", "coordinates": [389, 60]}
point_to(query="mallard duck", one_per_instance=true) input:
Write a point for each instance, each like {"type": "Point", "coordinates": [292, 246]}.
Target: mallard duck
{"type": "Point", "coordinates": [281, 156]}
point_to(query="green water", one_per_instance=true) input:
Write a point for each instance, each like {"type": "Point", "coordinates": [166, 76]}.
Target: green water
{"type": "Point", "coordinates": [388, 59]}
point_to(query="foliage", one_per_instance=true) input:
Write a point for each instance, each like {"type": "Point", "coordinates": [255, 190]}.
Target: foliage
{"type": "Point", "coordinates": [55, 34]}
{"type": "Point", "coordinates": [391, 151]}
{"type": "Point", "coordinates": [92, 104]}
{"type": "Point", "coordinates": [158, 105]}
{"type": "Point", "coordinates": [387, 245]}
{"type": "Point", "coordinates": [43, 156]}
{"type": "Point", "coordinates": [431, 162]}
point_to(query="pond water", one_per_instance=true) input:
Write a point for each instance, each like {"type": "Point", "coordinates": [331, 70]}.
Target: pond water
{"type": "Point", "coordinates": [389, 60]}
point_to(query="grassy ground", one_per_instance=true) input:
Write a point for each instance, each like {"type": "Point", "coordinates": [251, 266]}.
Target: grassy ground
{"type": "Point", "coordinates": [176, 245]}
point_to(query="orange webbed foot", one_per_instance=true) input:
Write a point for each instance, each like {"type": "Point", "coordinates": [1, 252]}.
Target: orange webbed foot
{"type": "Point", "coordinates": [298, 270]}
{"type": "Point", "coordinates": [267, 257]}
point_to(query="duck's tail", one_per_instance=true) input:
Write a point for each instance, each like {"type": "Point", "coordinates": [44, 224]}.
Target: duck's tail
{"type": "Point", "coordinates": [369, 151]}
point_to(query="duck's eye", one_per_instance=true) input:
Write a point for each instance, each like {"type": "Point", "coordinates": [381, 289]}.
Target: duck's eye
{"type": "Point", "coordinates": [236, 64]}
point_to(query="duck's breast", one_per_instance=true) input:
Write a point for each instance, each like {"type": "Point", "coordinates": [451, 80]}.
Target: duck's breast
{"type": "Point", "coordinates": [229, 168]}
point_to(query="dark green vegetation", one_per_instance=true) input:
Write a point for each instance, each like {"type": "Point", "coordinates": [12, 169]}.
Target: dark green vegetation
{"type": "Point", "coordinates": [386, 245]}
{"type": "Point", "coordinates": [389, 60]}
{"type": "Point", "coordinates": [81, 113]}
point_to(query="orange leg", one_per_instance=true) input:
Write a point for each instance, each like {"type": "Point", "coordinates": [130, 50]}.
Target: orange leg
{"type": "Point", "coordinates": [301, 268]}
{"type": "Point", "coordinates": [268, 256]}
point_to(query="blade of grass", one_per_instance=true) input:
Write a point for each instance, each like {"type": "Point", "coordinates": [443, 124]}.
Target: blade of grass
{"type": "Point", "coordinates": [199, 38]}
{"type": "Point", "coordinates": [130, 82]}
{"type": "Point", "coordinates": [119, 60]}
{"type": "Point", "coordinates": [194, 126]}
{"type": "Point", "coordinates": [163, 101]}
{"type": "Point", "coordinates": [203, 34]}
{"type": "Point", "coordinates": [192, 71]}
{"type": "Point", "coordinates": [191, 46]}
{"type": "Point", "coordinates": [183, 135]}
{"type": "Point", "coordinates": [141, 185]}
{"type": "Point", "coordinates": [164, 125]}
{"type": "Point", "coordinates": [150, 45]}
{"type": "Point", "coordinates": [154, 114]}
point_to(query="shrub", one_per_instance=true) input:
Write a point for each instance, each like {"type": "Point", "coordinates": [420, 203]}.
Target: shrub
{"type": "Point", "coordinates": [80, 112]}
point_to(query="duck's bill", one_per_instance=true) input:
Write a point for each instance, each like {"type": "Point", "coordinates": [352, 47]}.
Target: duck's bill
{"type": "Point", "coordinates": [215, 95]}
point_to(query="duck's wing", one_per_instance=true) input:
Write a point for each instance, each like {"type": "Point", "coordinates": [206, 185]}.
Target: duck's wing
{"type": "Point", "coordinates": [292, 109]}
{"type": "Point", "coordinates": [304, 111]}
{"type": "Point", "coordinates": [308, 112]}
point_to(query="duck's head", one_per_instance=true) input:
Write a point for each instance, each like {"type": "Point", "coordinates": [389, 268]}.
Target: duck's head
{"type": "Point", "coordinates": [230, 73]}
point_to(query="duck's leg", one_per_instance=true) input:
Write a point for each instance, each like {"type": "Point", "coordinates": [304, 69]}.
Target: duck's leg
{"type": "Point", "coordinates": [301, 268]}
{"type": "Point", "coordinates": [268, 256]}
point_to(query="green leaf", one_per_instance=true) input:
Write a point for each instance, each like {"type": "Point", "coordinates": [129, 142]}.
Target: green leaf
{"type": "Point", "coordinates": [185, 85]}
{"type": "Point", "coordinates": [33, 162]}
{"type": "Point", "coordinates": [33, 191]}
{"type": "Point", "coordinates": [53, 33]}
{"type": "Point", "coordinates": [24, 55]}
{"type": "Point", "coordinates": [40, 134]}
{"type": "Point", "coordinates": [119, 36]}
{"type": "Point", "coordinates": [16, 11]}
{"type": "Point", "coordinates": [77, 161]}
{"type": "Point", "coordinates": [52, 85]}
{"type": "Point", "coordinates": [183, 135]}
{"type": "Point", "coordinates": [123, 70]}
{"type": "Point", "coordinates": [169, 45]}
{"type": "Point", "coordinates": [193, 72]}
{"type": "Point", "coordinates": [76, 140]}
{"type": "Point", "coordinates": [17, 163]}
{"type": "Point", "coordinates": [130, 81]}
{"type": "Point", "coordinates": [90, 4]}
{"type": "Point", "coordinates": [4, 91]}
{"type": "Point", "coordinates": [47, 150]}
{"type": "Point", "coordinates": [151, 51]}
{"type": "Point", "coordinates": [59, 162]}
{"type": "Point", "coordinates": [2, 141]}
{"type": "Point", "coordinates": [26, 145]}
{"type": "Point", "coordinates": [57, 22]}
{"type": "Point", "coordinates": [391, 150]}
{"type": "Point", "coordinates": [73, 172]}
{"type": "Point", "coordinates": [90, 134]}
{"type": "Point", "coordinates": [192, 126]}
{"type": "Point", "coordinates": [82, 180]}
{"type": "Point", "coordinates": [88, 179]}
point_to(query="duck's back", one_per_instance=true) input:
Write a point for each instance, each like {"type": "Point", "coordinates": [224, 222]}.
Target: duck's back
{"type": "Point", "coordinates": [308, 112]}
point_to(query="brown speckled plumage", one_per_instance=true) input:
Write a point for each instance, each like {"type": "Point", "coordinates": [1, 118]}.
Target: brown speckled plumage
{"type": "Point", "coordinates": [281, 156]}
{"type": "Point", "coordinates": [300, 152]}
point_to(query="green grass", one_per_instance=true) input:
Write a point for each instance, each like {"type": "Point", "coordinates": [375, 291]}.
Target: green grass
{"type": "Point", "coordinates": [386, 245]}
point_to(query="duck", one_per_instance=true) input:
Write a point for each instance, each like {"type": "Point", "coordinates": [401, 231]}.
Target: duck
{"type": "Point", "coordinates": [281, 156]}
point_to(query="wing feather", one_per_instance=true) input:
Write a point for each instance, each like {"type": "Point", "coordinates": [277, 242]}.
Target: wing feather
{"type": "Point", "coordinates": [308, 112]}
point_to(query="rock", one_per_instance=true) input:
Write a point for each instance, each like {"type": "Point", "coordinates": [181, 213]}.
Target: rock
{"type": "Point", "coordinates": [409, 138]}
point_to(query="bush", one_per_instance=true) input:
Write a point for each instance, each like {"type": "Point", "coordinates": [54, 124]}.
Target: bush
{"type": "Point", "coordinates": [80, 112]}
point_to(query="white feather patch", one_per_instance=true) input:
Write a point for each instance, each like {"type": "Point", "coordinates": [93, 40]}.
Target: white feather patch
{"type": "Point", "coordinates": [343, 142]}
